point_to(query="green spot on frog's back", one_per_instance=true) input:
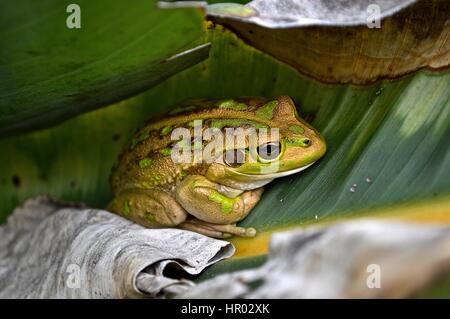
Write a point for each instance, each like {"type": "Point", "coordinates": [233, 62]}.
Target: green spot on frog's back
{"type": "Point", "coordinates": [152, 181]}
{"type": "Point", "coordinates": [297, 129]}
{"type": "Point", "coordinates": [145, 162]}
{"type": "Point", "coordinates": [235, 123]}
{"type": "Point", "coordinates": [166, 151]}
{"type": "Point", "coordinates": [140, 138]}
{"type": "Point", "coordinates": [126, 208]}
{"type": "Point", "coordinates": [232, 105]}
{"type": "Point", "coordinates": [225, 202]}
{"type": "Point", "coordinates": [166, 130]}
{"type": "Point", "coordinates": [266, 111]}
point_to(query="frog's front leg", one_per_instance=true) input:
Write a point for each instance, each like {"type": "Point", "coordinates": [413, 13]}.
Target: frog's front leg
{"type": "Point", "coordinates": [151, 208]}
{"type": "Point", "coordinates": [215, 212]}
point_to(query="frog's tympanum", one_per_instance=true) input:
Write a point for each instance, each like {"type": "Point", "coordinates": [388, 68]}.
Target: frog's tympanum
{"type": "Point", "coordinates": [183, 171]}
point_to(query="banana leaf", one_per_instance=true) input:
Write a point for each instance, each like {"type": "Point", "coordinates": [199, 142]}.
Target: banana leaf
{"type": "Point", "coordinates": [388, 144]}
{"type": "Point", "coordinates": [50, 72]}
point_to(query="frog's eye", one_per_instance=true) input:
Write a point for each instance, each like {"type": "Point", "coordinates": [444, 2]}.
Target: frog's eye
{"type": "Point", "coordinates": [234, 157]}
{"type": "Point", "coordinates": [269, 151]}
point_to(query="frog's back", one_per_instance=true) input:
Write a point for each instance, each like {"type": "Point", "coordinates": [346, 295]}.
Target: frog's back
{"type": "Point", "coordinates": [146, 161]}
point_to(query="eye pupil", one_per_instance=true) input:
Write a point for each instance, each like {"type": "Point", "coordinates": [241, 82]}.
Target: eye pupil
{"type": "Point", "coordinates": [269, 151]}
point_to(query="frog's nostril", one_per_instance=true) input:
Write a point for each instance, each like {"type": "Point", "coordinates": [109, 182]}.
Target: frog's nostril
{"type": "Point", "coordinates": [306, 141]}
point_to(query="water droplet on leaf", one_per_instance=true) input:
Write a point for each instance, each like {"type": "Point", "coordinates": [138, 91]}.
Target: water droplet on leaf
{"type": "Point", "coordinates": [379, 91]}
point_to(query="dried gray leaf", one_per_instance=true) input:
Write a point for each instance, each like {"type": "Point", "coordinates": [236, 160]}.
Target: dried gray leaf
{"type": "Point", "coordinates": [300, 13]}
{"type": "Point", "coordinates": [52, 250]}
{"type": "Point", "coordinates": [341, 261]}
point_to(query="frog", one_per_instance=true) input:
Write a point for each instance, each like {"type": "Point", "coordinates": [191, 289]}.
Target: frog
{"type": "Point", "coordinates": [154, 189]}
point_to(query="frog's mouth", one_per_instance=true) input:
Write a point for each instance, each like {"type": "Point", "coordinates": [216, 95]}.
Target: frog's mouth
{"type": "Point", "coordinates": [245, 181]}
{"type": "Point", "coordinates": [253, 181]}
{"type": "Point", "coordinates": [286, 173]}
{"type": "Point", "coordinates": [271, 172]}
{"type": "Point", "coordinates": [263, 176]}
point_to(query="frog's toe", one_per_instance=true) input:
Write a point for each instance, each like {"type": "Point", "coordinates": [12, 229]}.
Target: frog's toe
{"type": "Point", "coordinates": [187, 225]}
{"type": "Point", "coordinates": [217, 230]}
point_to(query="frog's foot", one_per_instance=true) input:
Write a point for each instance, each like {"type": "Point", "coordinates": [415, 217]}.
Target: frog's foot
{"type": "Point", "coordinates": [151, 208]}
{"type": "Point", "coordinates": [215, 230]}
{"type": "Point", "coordinates": [203, 199]}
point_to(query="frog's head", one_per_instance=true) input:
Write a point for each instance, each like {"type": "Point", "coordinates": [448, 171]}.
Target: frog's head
{"type": "Point", "coordinates": [297, 147]}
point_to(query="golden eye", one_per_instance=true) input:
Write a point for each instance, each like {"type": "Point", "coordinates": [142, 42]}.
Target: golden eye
{"type": "Point", "coordinates": [235, 157]}
{"type": "Point", "coordinates": [269, 151]}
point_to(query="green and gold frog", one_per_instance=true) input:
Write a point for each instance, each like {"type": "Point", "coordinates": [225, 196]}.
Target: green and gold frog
{"type": "Point", "coordinates": [166, 178]}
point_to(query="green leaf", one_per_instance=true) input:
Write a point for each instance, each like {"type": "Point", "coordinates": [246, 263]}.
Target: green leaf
{"type": "Point", "coordinates": [390, 138]}
{"type": "Point", "coordinates": [50, 73]}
